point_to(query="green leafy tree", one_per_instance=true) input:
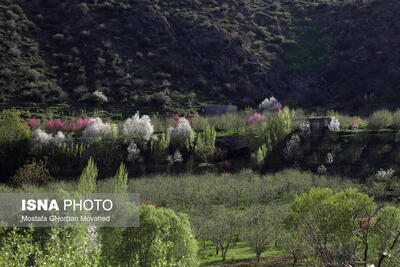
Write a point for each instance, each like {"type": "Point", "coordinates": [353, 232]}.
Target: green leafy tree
{"type": "Point", "coordinates": [140, 245]}
{"type": "Point", "coordinates": [327, 223]}
{"type": "Point", "coordinates": [271, 134]}
{"type": "Point", "coordinates": [385, 238]}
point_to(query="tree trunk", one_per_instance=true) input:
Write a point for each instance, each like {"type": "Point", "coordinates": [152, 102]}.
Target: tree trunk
{"type": "Point", "coordinates": [294, 260]}
{"type": "Point", "coordinates": [216, 250]}
{"type": "Point", "coordinates": [258, 257]}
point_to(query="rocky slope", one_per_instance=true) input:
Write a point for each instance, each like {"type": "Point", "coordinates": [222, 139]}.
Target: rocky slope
{"type": "Point", "coordinates": [163, 55]}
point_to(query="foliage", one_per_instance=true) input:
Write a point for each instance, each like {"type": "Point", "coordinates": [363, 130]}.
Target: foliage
{"type": "Point", "coordinates": [278, 127]}
{"type": "Point", "coordinates": [120, 182]}
{"type": "Point", "coordinates": [14, 140]}
{"type": "Point", "coordinates": [140, 245]}
{"type": "Point", "coordinates": [78, 247]}
{"type": "Point", "coordinates": [356, 122]}
{"type": "Point", "coordinates": [61, 247]}
{"type": "Point", "coordinates": [334, 225]}
{"type": "Point", "coordinates": [87, 182]}
{"type": "Point", "coordinates": [258, 157]}
{"type": "Point", "coordinates": [34, 173]}
{"type": "Point", "coordinates": [272, 133]}
{"type": "Point", "coordinates": [17, 247]}
{"type": "Point", "coordinates": [396, 119]}
{"type": "Point", "coordinates": [205, 144]}
{"type": "Point", "coordinates": [380, 119]}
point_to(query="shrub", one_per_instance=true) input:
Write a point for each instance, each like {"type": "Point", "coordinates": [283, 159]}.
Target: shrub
{"type": "Point", "coordinates": [120, 181]}
{"type": "Point", "coordinates": [396, 119]}
{"type": "Point", "coordinates": [138, 128]}
{"type": "Point", "coordinates": [380, 119]}
{"type": "Point", "coordinates": [34, 173]}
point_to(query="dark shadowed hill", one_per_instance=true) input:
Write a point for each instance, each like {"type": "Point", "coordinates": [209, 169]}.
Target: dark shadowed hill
{"type": "Point", "coordinates": [161, 55]}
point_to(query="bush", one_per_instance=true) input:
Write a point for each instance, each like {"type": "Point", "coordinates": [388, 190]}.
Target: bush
{"type": "Point", "coordinates": [380, 119]}
{"type": "Point", "coordinates": [34, 173]}
{"type": "Point", "coordinates": [396, 119]}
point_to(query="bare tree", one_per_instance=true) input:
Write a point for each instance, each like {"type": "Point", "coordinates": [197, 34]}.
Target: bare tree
{"type": "Point", "coordinates": [260, 225]}
{"type": "Point", "coordinates": [222, 229]}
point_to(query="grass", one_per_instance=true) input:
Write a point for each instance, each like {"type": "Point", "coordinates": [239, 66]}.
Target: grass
{"type": "Point", "coordinates": [240, 254]}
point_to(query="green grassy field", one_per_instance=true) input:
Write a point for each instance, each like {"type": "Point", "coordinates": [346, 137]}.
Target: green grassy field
{"type": "Point", "coordinates": [241, 255]}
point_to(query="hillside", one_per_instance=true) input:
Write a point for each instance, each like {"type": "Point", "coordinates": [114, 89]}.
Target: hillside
{"type": "Point", "coordinates": [170, 55]}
